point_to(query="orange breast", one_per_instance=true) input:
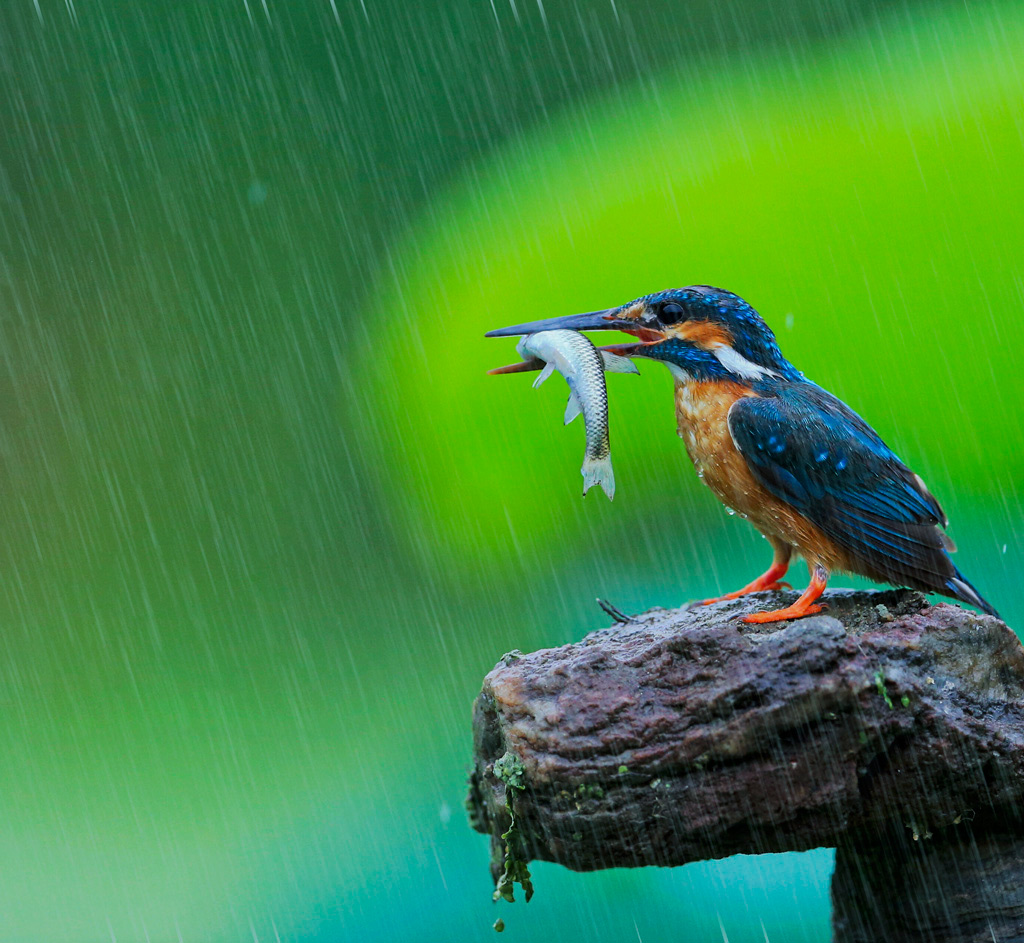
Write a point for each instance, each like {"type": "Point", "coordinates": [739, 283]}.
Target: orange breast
{"type": "Point", "coordinates": [702, 410]}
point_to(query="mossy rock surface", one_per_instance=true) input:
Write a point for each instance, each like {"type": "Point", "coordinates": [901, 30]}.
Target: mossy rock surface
{"type": "Point", "coordinates": [689, 735]}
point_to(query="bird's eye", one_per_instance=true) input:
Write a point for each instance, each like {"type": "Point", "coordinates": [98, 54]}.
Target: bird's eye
{"type": "Point", "coordinates": [671, 313]}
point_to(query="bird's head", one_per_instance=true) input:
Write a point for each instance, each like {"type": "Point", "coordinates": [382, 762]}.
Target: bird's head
{"type": "Point", "coordinates": [701, 333]}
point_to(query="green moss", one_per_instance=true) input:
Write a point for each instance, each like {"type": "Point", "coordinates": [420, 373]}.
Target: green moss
{"type": "Point", "coordinates": [880, 684]}
{"type": "Point", "coordinates": [509, 769]}
{"type": "Point", "coordinates": [585, 792]}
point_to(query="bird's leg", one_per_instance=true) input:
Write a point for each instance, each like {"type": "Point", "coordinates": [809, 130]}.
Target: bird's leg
{"type": "Point", "coordinates": [767, 580]}
{"type": "Point", "coordinates": [804, 606]}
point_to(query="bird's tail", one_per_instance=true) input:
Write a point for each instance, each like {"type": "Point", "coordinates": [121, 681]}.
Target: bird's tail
{"type": "Point", "coordinates": [598, 471]}
{"type": "Point", "coordinates": [960, 588]}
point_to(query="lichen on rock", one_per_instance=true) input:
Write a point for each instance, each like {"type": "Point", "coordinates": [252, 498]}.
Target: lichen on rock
{"type": "Point", "coordinates": [509, 770]}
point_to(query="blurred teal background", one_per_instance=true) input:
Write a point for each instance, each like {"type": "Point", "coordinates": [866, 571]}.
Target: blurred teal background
{"type": "Point", "coordinates": [267, 521]}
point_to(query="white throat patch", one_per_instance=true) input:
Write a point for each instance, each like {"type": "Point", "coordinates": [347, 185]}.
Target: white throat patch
{"type": "Point", "coordinates": [735, 362]}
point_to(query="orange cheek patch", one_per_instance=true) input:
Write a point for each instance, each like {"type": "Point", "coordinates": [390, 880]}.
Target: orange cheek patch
{"type": "Point", "coordinates": [705, 334]}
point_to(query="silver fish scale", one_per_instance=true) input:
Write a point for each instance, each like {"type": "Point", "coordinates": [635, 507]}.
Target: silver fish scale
{"type": "Point", "coordinates": [590, 389]}
{"type": "Point", "coordinates": [579, 361]}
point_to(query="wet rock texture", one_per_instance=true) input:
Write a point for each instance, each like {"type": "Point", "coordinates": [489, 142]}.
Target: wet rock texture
{"type": "Point", "coordinates": [690, 735]}
{"type": "Point", "coordinates": [961, 886]}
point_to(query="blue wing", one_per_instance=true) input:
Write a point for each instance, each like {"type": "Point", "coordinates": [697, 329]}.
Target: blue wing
{"type": "Point", "coordinates": [812, 451]}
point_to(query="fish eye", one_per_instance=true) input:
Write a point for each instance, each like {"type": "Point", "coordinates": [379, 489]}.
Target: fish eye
{"type": "Point", "coordinates": [671, 313]}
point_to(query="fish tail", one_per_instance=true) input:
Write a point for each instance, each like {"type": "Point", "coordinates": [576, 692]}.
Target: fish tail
{"type": "Point", "coordinates": [598, 471]}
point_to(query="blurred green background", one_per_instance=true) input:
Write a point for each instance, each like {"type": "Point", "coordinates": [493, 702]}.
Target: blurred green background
{"type": "Point", "coordinates": [267, 521]}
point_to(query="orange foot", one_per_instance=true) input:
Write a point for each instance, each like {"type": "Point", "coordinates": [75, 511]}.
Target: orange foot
{"type": "Point", "coordinates": [769, 580]}
{"type": "Point", "coordinates": [804, 606]}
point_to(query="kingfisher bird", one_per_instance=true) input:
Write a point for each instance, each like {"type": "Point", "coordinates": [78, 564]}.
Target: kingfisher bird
{"type": "Point", "coordinates": [785, 454]}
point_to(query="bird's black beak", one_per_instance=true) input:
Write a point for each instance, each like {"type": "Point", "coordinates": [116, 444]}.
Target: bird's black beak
{"type": "Point", "coordinates": [611, 319]}
{"type": "Point", "coordinates": [607, 320]}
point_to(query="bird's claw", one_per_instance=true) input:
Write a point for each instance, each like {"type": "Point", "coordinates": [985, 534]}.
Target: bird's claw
{"type": "Point", "coordinates": [782, 615]}
{"type": "Point", "coordinates": [728, 597]}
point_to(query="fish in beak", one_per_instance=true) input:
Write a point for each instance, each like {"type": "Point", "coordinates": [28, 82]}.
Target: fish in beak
{"type": "Point", "coordinates": [611, 319]}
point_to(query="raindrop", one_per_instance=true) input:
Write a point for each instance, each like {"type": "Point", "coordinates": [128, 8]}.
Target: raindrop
{"type": "Point", "coordinates": [257, 192]}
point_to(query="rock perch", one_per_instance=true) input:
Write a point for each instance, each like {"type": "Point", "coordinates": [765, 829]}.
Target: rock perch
{"type": "Point", "coordinates": [888, 728]}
